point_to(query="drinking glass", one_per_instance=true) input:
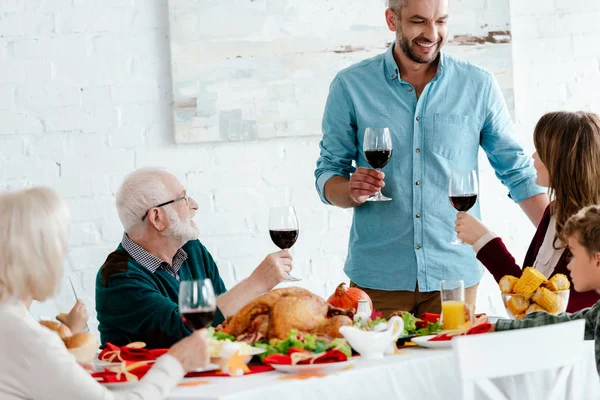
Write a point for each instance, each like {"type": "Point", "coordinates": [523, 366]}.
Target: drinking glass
{"type": "Point", "coordinates": [456, 314]}
{"type": "Point", "coordinates": [283, 229]}
{"type": "Point", "coordinates": [197, 303]}
{"type": "Point", "coordinates": [462, 191]}
{"type": "Point", "coordinates": [377, 148]}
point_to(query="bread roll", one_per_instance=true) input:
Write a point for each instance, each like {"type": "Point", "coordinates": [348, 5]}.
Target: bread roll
{"type": "Point", "coordinates": [61, 329]}
{"type": "Point", "coordinates": [83, 346]}
{"type": "Point", "coordinates": [78, 340]}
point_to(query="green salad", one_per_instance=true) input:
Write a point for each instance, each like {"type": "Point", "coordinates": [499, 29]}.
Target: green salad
{"type": "Point", "coordinates": [412, 325]}
{"type": "Point", "coordinates": [212, 334]}
{"type": "Point", "coordinates": [302, 342]}
{"type": "Point", "coordinates": [419, 327]}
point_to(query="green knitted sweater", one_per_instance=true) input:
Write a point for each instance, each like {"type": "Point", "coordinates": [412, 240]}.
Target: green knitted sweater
{"type": "Point", "coordinates": [135, 304]}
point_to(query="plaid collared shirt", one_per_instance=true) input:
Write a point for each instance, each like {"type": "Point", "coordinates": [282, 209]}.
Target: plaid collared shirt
{"type": "Point", "coordinates": [590, 315]}
{"type": "Point", "coordinates": [151, 262]}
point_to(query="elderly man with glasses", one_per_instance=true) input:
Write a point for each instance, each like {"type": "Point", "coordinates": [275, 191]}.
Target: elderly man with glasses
{"type": "Point", "coordinates": [137, 287]}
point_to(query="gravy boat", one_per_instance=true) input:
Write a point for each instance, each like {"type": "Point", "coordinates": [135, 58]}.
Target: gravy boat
{"type": "Point", "coordinates": [370, 344]}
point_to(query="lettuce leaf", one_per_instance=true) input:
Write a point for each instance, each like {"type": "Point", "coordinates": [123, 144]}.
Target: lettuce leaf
{"type": "Point", "coordinates": [410, 323]}
{"type": "Point", "coordinates": [303, 342]}
{"type": "Point", "coordinates": [219, 335]}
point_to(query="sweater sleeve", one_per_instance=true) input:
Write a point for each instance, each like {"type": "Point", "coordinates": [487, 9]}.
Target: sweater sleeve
{"type": "Point", "coordinates": [149, 316]}
{"type": "Point", "coordinates": [498, 260]}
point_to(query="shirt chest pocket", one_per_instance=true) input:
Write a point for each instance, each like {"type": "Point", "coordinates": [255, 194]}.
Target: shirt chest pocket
{"type": "Point", "coordinates": [449, 135]}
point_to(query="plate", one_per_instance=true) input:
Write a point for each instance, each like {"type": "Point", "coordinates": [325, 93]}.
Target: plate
{"type": "Point", "coordinates": [99, 365]}
{"type": "Point", "coordinates": [423, 341]}
{"type": "Point", "coordinates": [313, 368]}
{"type": "Point", "coordinates": [208, 367]}
{"type": "Point", "coordinates": [253, 351]}
{"type": "Point", "coordinates": [120, 385]}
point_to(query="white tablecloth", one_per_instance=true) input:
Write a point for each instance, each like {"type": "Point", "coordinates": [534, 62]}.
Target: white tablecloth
{"type": "Point", "coordinates": [414, 373]}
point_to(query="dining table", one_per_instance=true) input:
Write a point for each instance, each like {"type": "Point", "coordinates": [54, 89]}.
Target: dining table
{"type": "Point", "coordinates": [411, 373]}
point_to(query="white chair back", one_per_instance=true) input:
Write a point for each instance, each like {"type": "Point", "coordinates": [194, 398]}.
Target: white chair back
{"type": "Point", "coordinates": [484, 357]}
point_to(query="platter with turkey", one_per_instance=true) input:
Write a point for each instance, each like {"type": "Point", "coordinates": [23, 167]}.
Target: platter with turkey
{"type": "Point", "coordinates": [301, 332]}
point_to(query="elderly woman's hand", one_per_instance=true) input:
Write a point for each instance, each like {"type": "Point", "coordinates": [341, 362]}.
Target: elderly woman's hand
{"type": "Point", "coordinates": [76, 319]}
{"type": "Point", "coordinates": [468, 228]}
{"type": "Point", "coordinates": [192, 351]}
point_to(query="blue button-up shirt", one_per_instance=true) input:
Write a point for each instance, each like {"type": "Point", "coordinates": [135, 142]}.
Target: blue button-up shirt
{"type": "Point", "coordinates": [396, 244]}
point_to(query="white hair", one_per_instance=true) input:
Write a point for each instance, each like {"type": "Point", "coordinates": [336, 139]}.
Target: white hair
{"type": "Point", "coordinates": [141, 190]}
{"type": "Point", "coordinates": [34, 232]}
{"type": "Point", "coordinates": [180, 230]}
{"type": "Point", "coordinates": [396, 4]}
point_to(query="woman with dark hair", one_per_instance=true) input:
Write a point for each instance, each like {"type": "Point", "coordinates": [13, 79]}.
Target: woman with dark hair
{"type": "Point", "coordinates": [567, 162]}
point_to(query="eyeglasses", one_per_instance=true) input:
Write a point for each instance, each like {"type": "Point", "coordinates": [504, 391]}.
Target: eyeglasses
{"type": "Point", "coordinates": [185, 197]}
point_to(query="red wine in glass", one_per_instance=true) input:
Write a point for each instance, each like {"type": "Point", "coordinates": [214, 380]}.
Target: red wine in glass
{"type": "Point", "coordinates": [198, 319]}
{"type": "Point", "coordinates": [197, 303]}
{"type": "Point", "coordinates": [284, 230]}
{"type": "Point", "coordinates": [463, 189]}
{"type": "Point", "coordinates": [377, 150]}
{"type": "Point", "coordinates": [284, 238]}
{"type": "Point", "coordinates": [378, 158]}
{"type": "Point", "coordinates": [463, 202]}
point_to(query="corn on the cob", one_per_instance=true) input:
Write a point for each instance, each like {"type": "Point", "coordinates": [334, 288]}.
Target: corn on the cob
{"type": "Point", "coordinates": [520, 316]}
{"type": "Point", "coordinates": [507, 283]}
{"type": "Point", "coordinates": [558, 282]}
{"type": "Point", "coordinates": [548, 300]}
{"type": "Point", "coordinates": [534, 308]}
{"type": "Point", "coordinates": [517, 304]}
{"type": "Point", "coordinates": [529, 281]}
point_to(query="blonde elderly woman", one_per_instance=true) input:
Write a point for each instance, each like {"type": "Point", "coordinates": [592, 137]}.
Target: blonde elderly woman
{"type": "Point", "coordinates": [34, 363]}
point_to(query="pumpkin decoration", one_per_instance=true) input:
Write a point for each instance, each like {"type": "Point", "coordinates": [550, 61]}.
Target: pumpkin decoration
{"type": "Point", "coordinates": [345, 297]}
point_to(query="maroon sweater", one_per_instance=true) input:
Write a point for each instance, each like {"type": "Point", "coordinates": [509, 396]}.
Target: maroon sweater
{"type": "Point", "coordinates": [500, 262]}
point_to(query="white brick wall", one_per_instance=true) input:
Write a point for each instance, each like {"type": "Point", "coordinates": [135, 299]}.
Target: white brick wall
{"type": "Point", "coordinates": [84, 98]}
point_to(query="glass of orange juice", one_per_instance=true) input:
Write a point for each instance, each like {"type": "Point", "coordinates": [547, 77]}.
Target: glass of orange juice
{"type": "Point", "coordinates": [455, 312]}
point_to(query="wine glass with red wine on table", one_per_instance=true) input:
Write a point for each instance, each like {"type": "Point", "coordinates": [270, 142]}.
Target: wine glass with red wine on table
{"type": "Point", "coordinates": [197, 303]}
{"type": "Point", "coordinates": [377, 149]}
{"type": "Point", "coordinates": [283, 228]}
{"type": "Point", "coordinates": [462, 190]}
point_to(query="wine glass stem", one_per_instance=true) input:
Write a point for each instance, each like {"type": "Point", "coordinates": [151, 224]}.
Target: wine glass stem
{"type": "Point", "coordinates": [378, 194]}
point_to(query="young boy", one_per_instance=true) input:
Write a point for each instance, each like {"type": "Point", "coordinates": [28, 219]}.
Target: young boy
{"type": "Point", "coordinates": [583, 231]}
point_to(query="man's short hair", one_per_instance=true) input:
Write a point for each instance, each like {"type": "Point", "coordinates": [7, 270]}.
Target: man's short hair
{"type": "Point", "coordinates": [396, 5]}
{"type": "Point", "coordinates": [141, 190]}
{"type": "Point", "coordinates": [586, 223]}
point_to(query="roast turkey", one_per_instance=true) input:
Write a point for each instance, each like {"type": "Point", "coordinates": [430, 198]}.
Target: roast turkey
{"type": "Point", "coordinates": [275, 313]}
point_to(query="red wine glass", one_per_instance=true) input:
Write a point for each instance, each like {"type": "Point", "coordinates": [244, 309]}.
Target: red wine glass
{"type": "Point", "coordinates": [463, 191]}
{"type": "Point", "coordinates": [377, 149]}
{"type": "Point", "coordinates": [197, 303]}
{"type": "Point", "coordinates": [283, 229]}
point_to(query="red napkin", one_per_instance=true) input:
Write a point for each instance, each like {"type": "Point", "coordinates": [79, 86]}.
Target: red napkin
{"type": "Point", "coordinates": [125, 353]}
{"type": "Point", "coordinates": [108, 376]}
{"type": "Point", "coordinates": [327, 357]}
{"type": "Point", "coordinates": [477, 329]}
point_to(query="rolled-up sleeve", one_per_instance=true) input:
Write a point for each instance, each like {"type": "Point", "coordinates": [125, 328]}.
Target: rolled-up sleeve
{"type": "Point", "coordinates": [513, 167]}
{"type": "Point", "coordinates": [338, 145]}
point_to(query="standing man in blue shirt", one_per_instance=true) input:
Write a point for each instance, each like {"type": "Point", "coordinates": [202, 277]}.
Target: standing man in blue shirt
{"type": "Point", "coordinates": [439, 111]}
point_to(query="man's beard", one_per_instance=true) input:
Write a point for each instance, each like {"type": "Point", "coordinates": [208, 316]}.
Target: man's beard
{"type": "Point", "coordinates": [407, 50]}
{"type": "Point", "coordinates": [179, 230]}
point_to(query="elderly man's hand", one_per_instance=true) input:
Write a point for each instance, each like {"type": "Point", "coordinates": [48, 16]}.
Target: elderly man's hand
{"type": "Point", "coordinates": [275, 268]}
{"type": "Point", "coordinates": [468, 228]}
